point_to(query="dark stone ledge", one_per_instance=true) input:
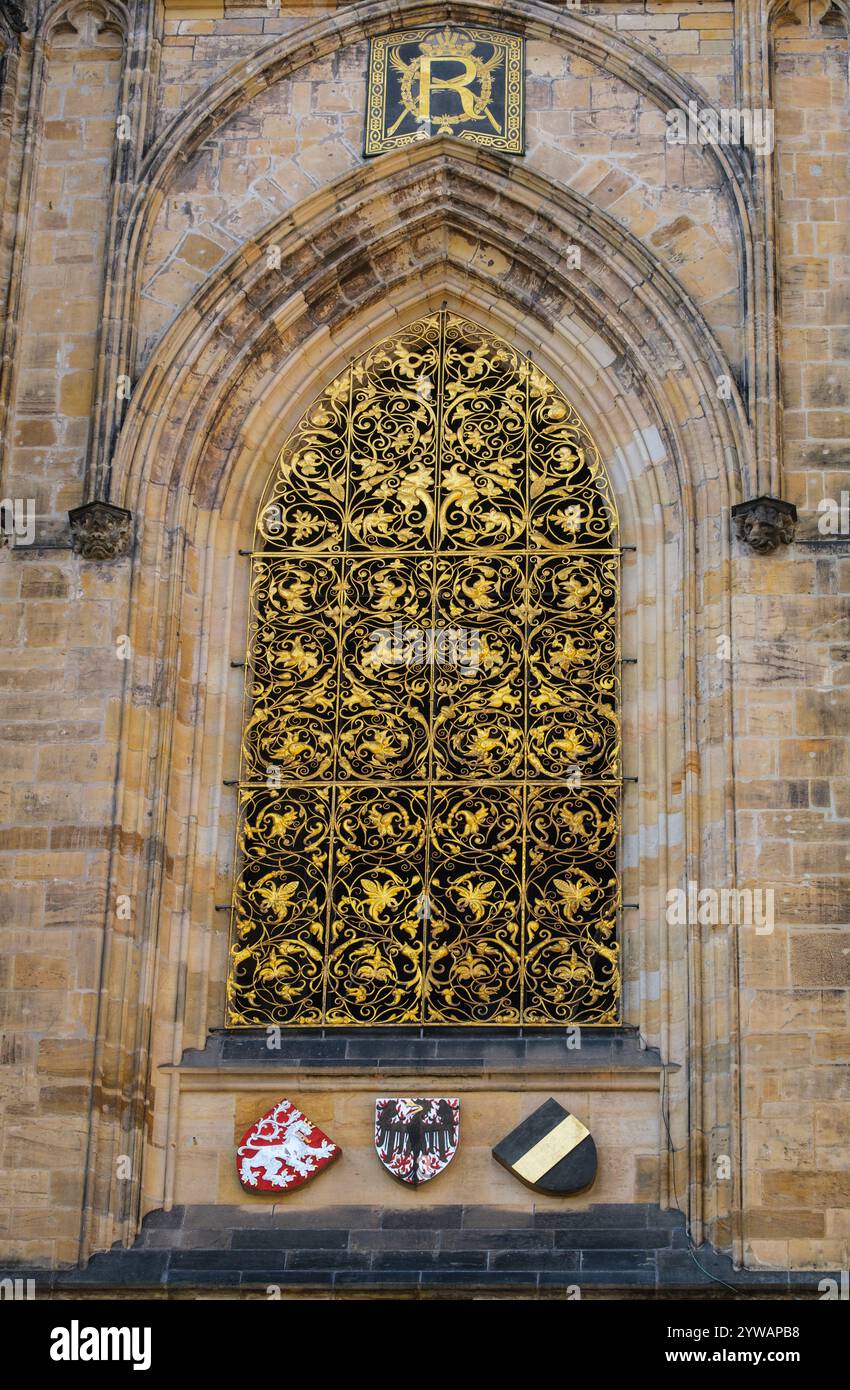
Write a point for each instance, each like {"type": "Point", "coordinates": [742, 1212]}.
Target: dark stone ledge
{"type": "Point", "coordinates": [425, 1050]}
{"type": "Point", "coordinates": [605, 1250]}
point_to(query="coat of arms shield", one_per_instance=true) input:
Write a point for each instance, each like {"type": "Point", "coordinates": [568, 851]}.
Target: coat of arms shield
{"type": "Point", "coordinates": [282, 1151]}
{"type": "Point", "coordinates": [551, 1151]}
{"type": "Point", "coordinates": [417, 1139]}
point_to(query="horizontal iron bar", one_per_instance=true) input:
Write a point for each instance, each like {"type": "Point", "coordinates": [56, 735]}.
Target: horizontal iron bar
{"type": "Point", "coordinates": [391, 552]}
{"type": "Point", "coordinates": [408, 1031]}
{"type": "Point", "coordinates": [417, 782]}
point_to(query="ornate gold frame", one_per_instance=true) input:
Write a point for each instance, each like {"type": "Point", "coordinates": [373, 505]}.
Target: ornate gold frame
{"type": "Point", "coordinates": [508, 49]}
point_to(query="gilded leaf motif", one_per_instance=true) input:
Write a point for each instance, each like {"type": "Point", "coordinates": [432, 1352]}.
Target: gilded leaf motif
{"type": "Point", "coordinates": [431, 764]}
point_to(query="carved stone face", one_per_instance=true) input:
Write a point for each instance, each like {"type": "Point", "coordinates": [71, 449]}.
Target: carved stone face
{"type": "Point", "coordinates": [103, 542]}
{"type": "Point", "coordinates": [764, 528]}
{"type": "Point", "coordinates": [760, 534]}
{"type": "Point", "coordinates": [101, 532]}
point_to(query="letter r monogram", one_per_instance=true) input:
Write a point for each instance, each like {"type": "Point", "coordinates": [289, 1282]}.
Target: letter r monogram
{"type": "Point", "coordinates": [462, 85]}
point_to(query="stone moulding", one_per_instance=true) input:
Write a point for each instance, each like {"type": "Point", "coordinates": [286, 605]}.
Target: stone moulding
{"type": "Point", "coordinates": [765, 523]}
{"type": "Point", "coordinates": [100, 531]}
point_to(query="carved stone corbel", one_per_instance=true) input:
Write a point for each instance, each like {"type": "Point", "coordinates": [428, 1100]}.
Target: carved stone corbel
{"type": "Point", "coordinates": [764, 523]}
{"type": "Point", "coordinates": [100, 531]}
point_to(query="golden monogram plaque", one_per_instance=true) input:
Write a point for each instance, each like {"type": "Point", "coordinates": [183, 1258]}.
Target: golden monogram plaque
{"type": "Point", "coordinates": [466, 82]}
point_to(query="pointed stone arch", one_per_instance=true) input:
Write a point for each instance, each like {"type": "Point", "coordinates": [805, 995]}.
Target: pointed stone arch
{"type": "Point", "coordinates": [348, 245]}
{"type": "Point", "coordinates": [205, 114]}
{"type": "Point", "coordinates": [206, 420]}
{"type": "Point", "coordinates": [74, 21]}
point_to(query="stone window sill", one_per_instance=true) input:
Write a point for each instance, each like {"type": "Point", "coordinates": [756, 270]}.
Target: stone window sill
{"type": "Point", "coordinates": [492, 1052]}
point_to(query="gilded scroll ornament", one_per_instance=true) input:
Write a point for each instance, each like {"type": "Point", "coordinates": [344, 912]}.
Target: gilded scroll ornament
{"type": "Point", "coordinates": [429, 794]}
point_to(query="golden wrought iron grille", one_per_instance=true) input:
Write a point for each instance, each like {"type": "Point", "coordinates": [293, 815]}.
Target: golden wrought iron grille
{"type": "Point", "coordinates": [430, 782]}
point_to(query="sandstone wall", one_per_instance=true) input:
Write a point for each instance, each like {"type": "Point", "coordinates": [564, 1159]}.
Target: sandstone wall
{"type": "Point", "coordinates": [107, 799]}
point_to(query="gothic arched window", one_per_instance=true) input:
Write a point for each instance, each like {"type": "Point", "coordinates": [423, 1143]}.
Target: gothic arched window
{"type": "Point", "coordinates": [430, 781]}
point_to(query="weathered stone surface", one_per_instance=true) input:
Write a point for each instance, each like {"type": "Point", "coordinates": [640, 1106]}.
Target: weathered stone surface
{"type": "Point", "coordinates": [159, 361]}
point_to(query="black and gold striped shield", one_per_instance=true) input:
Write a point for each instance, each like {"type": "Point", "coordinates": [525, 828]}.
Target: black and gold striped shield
{"type": "Point", "coordinates": [550, 1152]}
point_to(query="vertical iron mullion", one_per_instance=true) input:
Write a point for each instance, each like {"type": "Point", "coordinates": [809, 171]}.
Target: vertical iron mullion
{"type": "Point", "coordinates": [340, 565]}
{"type": "Point", "coordinates": [342, 562]}
{"type": "Point", "coordinates": [432, 696]}
{"type": "Point", "coordinates": [252, 623]}
{"type": "Point", "coordinates": [525, 794]}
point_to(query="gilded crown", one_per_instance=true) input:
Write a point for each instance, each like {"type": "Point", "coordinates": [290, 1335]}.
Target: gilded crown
{"type": "Point", "coordinates": [449, 43]}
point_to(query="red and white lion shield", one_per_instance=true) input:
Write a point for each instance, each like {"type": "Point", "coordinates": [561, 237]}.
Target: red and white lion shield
{"type": "Point", "coordinates": [282, 1151]}
{"type": "Point", "coordinates": [416, 1138]}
